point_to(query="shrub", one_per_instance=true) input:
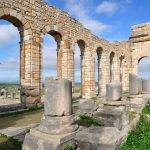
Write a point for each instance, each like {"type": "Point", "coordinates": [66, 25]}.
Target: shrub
{"type": "Point", "coordinates": [69, 147]}
{"type": "Point", "coordinates": [85, 120]}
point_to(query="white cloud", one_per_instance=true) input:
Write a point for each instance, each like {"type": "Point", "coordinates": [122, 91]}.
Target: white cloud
{"type": "Point", "coordinates": [8, 33]}
{"type": "Point", "coordinates": [82, 10]}
{"type": "Point", "coordinates": [107, 7]}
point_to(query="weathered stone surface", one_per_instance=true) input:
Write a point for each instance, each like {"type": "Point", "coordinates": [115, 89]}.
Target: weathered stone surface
{"type": "Point", "coordinates": [37, 140]}
{"type": "Point", "coordinates": [57, 125]}
{"type": "Point", "coordinates": [133, 84]}
{"type": "Point", "coordinates": [146, 86]}
{"type": "Point", "coordinates": [100, 138]}
{"type": "Point", "coordinates": [87, 106]}
{"type": "Point", "coordinates": [111, 116]}
{"type": "Point", "coordinates": [113, 91]}
{"type": "Point", "coordinates": [58, 97]}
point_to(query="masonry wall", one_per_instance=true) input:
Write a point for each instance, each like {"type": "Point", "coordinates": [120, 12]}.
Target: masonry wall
{"type": "Point", "coordinates": [34, 19]}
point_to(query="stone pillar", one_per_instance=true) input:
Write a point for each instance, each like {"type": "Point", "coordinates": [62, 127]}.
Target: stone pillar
{"type": "Point", "coordinates": [67, 60]}
{"type": "Point", "coordinates": [57, 126]}
{"type": "Point", "coordinates": [59, 62]}
{"type": "Point", "coordinates": [125, 75]}
{"type": "Point", "coordinates": [116, 69]}
{"type": "Point", "coordinates": [99, 74]}
{"type": "Point", "coordinates": [113, 91]}
{"type": "Point", "coordinates": [31, 75]}
{"type": "Point", "coordinates": [88, 82]}
{"type": "Point", "coordinates": [146, 86]}
{"type": "Point", "coordinates": [105, 79]}
{"type": "Point", "coordinates": [133, 84]}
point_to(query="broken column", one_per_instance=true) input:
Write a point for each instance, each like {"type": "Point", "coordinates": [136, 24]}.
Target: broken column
{"type": "Point", "coordinates": [133, 84]}
{"type": "Point", "coordinates": [57, 125]}
{"type": "Point", "coordinates": [113, 91]}
{"type": "Point", "coordinates": [146, 86]}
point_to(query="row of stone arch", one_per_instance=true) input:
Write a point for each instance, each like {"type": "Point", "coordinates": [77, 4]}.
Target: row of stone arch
{"type": "Point", "coordinates": [31, 56]}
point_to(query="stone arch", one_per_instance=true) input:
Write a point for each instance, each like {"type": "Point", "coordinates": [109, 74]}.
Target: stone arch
{"type": "Point", "coordinates": [111, 66]}
{"type": "Point", "coordinates": [58, 38]}
{"type": "Point", "coordinates": [82, 46]}
{"type": "Point", "coordinates": [141, 71]}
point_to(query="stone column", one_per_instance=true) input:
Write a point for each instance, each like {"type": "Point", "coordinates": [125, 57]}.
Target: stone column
{"type": "Point", "coordinates": [99, 74]}
{"type": "Point", "coordinates": [116, 69]}
{"type": "Point", "coordinates": [57, 126]}
{"type": "Point", "coordinates": [125, 76]}
{"type": "Point", "coordinates": [31, 82]}
{"type": "Point", "coordinates": [105, 72]}
{"type": "Point", "coordinates": [88, 82]}
{"type": "Point", "coordinates": [59, 62]}
{"type": "Point", "coordinates": [67, 60]}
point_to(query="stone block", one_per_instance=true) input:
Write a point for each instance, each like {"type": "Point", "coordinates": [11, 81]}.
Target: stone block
{"type": "Point", "coordinates": [113, 116]}
{"type": "Point", "coordinates": [113, 91]}
{"type": "Point", "coordinates": [36, 140]}
{"type": "Point", "coordinates": [99, 138]}
{"type": "Point", "coordinates": [146, 86]}
{"type": "Point", "coordinates": [133, 84]}
{"type": "Point", "coordinates": [58, 97]}
{"type": "Point", "coordinates": [87, 106]}
{"type": "Point", "coordinates": [57, 125]}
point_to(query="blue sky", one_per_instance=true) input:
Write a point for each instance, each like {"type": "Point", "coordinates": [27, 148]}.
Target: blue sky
{"type": "Point", "coordinates": [110, 19]}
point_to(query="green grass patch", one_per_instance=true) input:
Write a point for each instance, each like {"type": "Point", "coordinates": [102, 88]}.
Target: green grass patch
{"type": "Point", "coordinates": [9, 143]}
{"type": "Point", "coordinates": [139, 139]}
{"type": "Point", "coordinates": [85, 120]}
{"type": "Point", "coordinates": [146, 110]}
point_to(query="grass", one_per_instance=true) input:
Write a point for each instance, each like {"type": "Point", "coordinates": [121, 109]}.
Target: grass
{"type": "Point", "coordinates": [87, 121]}
{"type": "Point", "coordinates": [9, 143]}
{"type": "Point", "coordinates": [146, 110]}
{"type": "Point", "coordinates": [139, 139]}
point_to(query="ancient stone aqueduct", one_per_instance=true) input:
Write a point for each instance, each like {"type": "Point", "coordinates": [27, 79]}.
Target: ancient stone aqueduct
{"type": "Point", "coordinates": [34, 19]}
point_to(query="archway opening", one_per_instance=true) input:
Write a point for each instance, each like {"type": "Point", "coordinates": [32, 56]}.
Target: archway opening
{"type": "Point", "coordinates": [144, 67]}
{"type": "Point", "coordinates": [11, 37]}
{"type": "Point", "coordinates": [51, 57]}
{"type": "Point", "coordinates": [78, 59]}
{"type": "Point", "coordinates": [98, 70]}
{"type": "Point", "coordinates": [111, 71]}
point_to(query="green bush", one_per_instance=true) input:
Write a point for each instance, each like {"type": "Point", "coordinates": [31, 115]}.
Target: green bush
{"type": "Point", "coordinates": [85, 120]}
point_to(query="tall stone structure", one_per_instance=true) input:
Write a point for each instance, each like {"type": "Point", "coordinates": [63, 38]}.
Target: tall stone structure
{"type": "Point", "coordinates": [34, 19]}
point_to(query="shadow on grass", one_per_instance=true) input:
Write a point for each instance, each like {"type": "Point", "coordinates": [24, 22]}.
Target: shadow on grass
{"type": "Point", "coordinates": [8, 143]}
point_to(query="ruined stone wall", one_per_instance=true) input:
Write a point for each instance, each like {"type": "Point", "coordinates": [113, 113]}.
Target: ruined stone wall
{"type": "Point", "coordinates": [34, 19]}
{"type": "Point", "coordinates": [140, 44]}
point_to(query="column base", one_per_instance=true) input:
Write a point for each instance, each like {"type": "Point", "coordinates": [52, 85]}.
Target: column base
{"type": "Point", "coordinates": [37, 140]}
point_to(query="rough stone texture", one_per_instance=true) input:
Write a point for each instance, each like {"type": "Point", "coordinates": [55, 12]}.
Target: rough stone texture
{"type": "Point", "coordinates": [36, 140]}
{"type": "Point", "coordinates": [57, 125]}
{"type": "Point", "coordinates": [58, 97]}
{"type": "Point", "coordinates": [133, 84]}
{"type": "Point", "coordinates": [35, 18]}
{"type": "Point", "coordinates": [146, 86]}
{"type": "Point", "coordinates": [113, 116]}
{"type": "Point", "coordinates": [113, 91]}
{"type": "Point", "coordinates": [99, 138]}
{"type": "Point", "coordinates": [87, 106]}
